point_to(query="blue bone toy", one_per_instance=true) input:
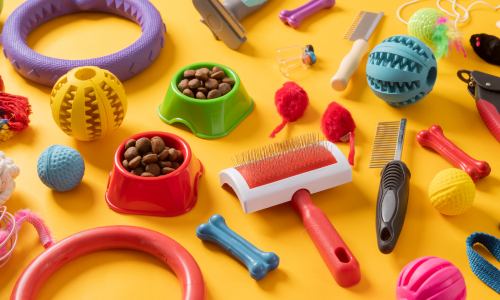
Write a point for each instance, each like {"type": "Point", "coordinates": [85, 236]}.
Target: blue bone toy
{"type": "Point", "coordinates": [257, 262]}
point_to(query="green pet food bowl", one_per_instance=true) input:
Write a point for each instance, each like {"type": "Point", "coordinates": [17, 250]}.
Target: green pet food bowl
{"type": "Point", "coordinates": [207, 118]}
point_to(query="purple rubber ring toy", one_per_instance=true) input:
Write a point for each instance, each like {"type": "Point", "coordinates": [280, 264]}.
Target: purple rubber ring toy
{"type": "Point", "coordinates": [47, 70]}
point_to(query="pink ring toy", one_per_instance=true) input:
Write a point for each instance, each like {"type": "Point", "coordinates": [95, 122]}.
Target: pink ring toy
{"type": "Point", "coordinates": [112, 237]}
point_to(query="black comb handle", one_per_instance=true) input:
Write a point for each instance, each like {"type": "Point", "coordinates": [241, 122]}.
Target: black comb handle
{"type": "Point", "coordinates": [392, 202]}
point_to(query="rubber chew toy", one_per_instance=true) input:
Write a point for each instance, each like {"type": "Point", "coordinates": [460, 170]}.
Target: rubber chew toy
{"type": "Point", "coordinates": [257, 262]}
{"type": "Point", "coordinates": [434, 138]}
{"type": "Point", "coordinates": [484, 88]}
{"type": "Point", "coordinates": [481, 267]}
{"type": "Point", "coordinates": [452, 192]}
{"type": "Point", "coordinates": [295, 17]}
{"type": "Point", "coordinates": [60, 168]}
{"type": "Point", "coordinates": [223, 18]}
{"type": "Point", "coordinates": [14, 115]}
{"type": "Point", "coordinates": [291, 102]}
{"type": "Point", "coordinates": [401, 70]}
{"type": "Point", "coordinates": [431, 278]}
{"type": "Point", "coordinates": [88, 103]}
{"type": "Point", "coordinates": [290, 171]}
{"type": "Point", "coordinates": [337, 125]}
{"type": "Point", "coordinates": [112, 237]}
{"type": "Point", "coordinates": [47, 70]}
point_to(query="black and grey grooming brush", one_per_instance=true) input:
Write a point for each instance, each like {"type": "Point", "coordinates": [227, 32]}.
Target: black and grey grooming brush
{"type": "Point", "coordinates": [392, 200]}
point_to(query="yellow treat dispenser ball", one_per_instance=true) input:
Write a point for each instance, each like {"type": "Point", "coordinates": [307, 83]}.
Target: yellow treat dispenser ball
{"type": "Point", "coordinates": [88, 103]}
{"type": "Point", "coordinates": [452, 192]}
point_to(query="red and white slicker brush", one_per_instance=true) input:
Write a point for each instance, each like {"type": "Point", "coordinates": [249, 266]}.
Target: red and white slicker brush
{"type": "Point", "coordinates": [290, 171]}
{"type": "Point", "coordinates": [338, 126]}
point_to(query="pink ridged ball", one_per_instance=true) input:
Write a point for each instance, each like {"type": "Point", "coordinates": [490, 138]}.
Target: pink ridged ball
{"type": "Point", "coordinates": [431, 278]}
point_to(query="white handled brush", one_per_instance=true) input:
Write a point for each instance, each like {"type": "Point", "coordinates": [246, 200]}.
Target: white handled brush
{"type": "Point", "coordinates": [290, 171]}
{"type": "Point", "coordinates": [360, 31]}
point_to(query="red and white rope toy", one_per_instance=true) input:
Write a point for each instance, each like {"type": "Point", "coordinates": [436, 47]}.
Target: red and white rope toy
{"type": "Point", "coordinates": [11, 224]}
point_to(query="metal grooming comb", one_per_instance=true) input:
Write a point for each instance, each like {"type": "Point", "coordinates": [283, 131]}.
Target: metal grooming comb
{"type": "Point", "coordinates": [388, 143]}
{"type": "Point", "coordinates": [363, 26]}
{"type": "Point", "coordinates": [360, 31]}
{"type": "Point", "coordinates": [394, 186]}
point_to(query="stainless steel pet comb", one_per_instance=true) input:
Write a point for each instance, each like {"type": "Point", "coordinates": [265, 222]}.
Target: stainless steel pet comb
{"type": "Point", "coordinates": [394, 186]}
{"type": "Point", "coordinates": [360, 31]}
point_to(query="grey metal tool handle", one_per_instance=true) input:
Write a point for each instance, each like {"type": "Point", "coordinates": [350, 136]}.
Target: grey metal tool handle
{"type": "Point", "coordinates": [240, 9]}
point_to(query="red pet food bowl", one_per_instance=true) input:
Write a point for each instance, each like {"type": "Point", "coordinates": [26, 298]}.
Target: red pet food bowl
{"type": "Point", "coordinates": [167, 196]}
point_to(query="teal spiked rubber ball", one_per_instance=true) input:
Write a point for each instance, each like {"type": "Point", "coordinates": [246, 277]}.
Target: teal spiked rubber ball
{"type": "Point", "coordinates": [401, 70]}
{"type": "Point", "coordinates": [60, 168]}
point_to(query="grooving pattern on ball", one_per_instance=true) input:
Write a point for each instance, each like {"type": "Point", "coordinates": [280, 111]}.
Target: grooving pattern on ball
{"type": "Point", "coordinates": [66, 110]}
{"type": "Point", "coordinates": [94, 128]}
{"type": "Point", "coordinates": [56, 89]}
{"type": "Point", "coordinates": [394, 61]}
{"type": "Point", "coordinates": [410, 44]}
{"type": "Point", "coordinates": [115, 102]}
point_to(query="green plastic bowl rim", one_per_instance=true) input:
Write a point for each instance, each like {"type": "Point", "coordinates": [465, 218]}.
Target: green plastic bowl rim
{"type": "Point", "coordinates": [180, 75]}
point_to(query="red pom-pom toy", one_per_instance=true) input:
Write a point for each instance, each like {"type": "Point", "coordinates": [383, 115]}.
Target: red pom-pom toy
{"type": "Point", "coordinates": [291, 102]}
{"type": "Point", "coordinates": [337, 125]}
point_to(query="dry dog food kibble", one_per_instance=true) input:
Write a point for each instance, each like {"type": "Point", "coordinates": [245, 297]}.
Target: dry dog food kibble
{"type": "Point", "coordinates": [143, 145]}
{"type": "Point", "coordinates": [150, 157]}
{"type": "Point", "coordinates": [205, 84]}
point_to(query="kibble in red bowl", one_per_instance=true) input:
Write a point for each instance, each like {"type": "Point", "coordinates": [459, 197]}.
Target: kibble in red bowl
{"type": "Point", "coordinates": [150, 157]}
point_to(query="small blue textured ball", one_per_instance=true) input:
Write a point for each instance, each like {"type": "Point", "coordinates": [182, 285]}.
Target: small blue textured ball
{"type": "Point", "coordinates": [401, 70]}
{"type": "Point", "coordinates": [61, 168]}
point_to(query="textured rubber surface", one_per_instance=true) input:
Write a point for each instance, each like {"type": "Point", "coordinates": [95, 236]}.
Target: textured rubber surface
{"type": "Point", "coordinates": [258, 262]}
{"type": "Point", "coordinates": [490, 116]}
{"type": "Point", "coordinates": [60, 168]}
{"type": "Point", "coordinates": [452, 192]}
{"type": "Point", "coordinates": [88, 108]}
{"type": "Point", "coordinates": [392, 202]}
{"type": "Point", "coordinates": [47, 70]}
{"type": "Point", "coordinates": [401, 70]}
{"type": "Point", "coordinates": [431, 278]}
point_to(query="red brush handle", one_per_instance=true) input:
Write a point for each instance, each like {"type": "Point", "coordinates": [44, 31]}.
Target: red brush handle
{"type": "Point", "coordinates": [435, 139]}
{"type": "Point", "coordinates": [335, 253]}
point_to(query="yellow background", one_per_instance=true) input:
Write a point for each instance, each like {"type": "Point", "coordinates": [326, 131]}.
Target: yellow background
{"type": "Point", "coordinates": [302, 274]}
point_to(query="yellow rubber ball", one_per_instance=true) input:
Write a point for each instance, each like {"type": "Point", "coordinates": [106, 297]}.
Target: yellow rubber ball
{"type": "Point", "coordinates": [88, 103]}
{"type": "Point", "coordinates": [452, 192]}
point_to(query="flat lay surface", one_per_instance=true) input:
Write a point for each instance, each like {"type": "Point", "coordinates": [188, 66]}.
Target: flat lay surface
{"type": "Point", "coordinates": [302, 274]}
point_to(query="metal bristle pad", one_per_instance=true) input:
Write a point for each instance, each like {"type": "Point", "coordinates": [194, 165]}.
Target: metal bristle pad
{"type": "Point", "coordinates": [385, 144]}
{"type": "Point", "coordinates": [361, 24]}
{"type": "Point", "coordinates": [282, 158]}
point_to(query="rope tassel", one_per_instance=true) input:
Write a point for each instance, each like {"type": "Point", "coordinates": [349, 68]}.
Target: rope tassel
{"type": "Point", "coordinates": [14, 115]}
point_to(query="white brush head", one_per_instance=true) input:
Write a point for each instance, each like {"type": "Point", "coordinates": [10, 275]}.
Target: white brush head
{"type": "Point", "coordinates": [270, 175]}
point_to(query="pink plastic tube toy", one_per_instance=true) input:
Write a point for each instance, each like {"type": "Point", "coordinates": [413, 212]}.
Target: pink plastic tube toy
{"type": "Point", "coordinates": [112, 237]}
{"type": "Point", "coordinates": [431, 278]}
{"type": "Point", "coordinates": [295, 17]}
